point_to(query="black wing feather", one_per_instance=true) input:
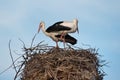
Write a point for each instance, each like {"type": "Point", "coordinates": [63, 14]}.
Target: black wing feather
{"type": "Point", "coordinates": [57, 27]}
{"type": "Point", "coordinates": [68, 39]}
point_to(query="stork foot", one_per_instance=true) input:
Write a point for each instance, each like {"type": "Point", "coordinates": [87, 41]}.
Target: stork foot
{"type": "Point", "coordinates": [57, 47]}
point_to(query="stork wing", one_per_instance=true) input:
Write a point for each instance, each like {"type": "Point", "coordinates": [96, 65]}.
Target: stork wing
{"type": "Point", "coordinates": [57, 27]}
{"type": "Point", "coordinates": [68, 39]}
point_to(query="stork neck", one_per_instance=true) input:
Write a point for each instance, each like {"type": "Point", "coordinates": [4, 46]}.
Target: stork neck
{"type": "Point", "coordinates": [44, 30]}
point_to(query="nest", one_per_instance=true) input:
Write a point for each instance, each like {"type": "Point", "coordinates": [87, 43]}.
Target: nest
{"type": "Point", "coordinates": [49, 63]}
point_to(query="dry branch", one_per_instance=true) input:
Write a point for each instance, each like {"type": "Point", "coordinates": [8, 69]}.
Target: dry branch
{"type": "Point", "coordinates": [12, 57]}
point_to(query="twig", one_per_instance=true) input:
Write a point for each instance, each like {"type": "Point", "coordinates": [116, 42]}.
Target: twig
{"type": "Point", "coordinates": [19, 70]}
{"type": "Point", "coordinates": [33, 39]}
{"type": "Point", "coordinates": [86, 45]}
{"type": "Point", "coordinates": [6, 69]}
{"type": "Point", "coordinates": [12, 57]}
{"type": "Point", "coordinates": [11, 64]}
{"type": "Point", "coordinates": [22, 42]}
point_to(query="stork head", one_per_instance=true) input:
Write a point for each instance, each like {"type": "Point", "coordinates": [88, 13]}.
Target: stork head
{"type": "Point", "coordinates": [76, 23]}
{"type": "Point", "coordinates": [40, 26]}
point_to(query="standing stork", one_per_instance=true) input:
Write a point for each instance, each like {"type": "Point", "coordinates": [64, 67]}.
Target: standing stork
{"type": "Point", "coordinates": [68, 39]}
{"type": "Point", "coordinates": [62, 28]}
{"type": "Point", "coordinates": [56, 36]}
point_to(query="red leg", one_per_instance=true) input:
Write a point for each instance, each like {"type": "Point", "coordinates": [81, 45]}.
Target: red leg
{"type": "Point", "coordinates": [62, 35]}
{"type": "Point", "coordinates": [57, 44]}
{"type": "Point", "coordinates": [64, 41]}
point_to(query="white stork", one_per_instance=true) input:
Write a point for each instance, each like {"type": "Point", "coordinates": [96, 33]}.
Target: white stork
{"type": "Point", "coordinates": [59, 30]}
{"type": "Point", "coordinates": [68, 39]}
{"type": "Point", "coordinates": [64, 27]}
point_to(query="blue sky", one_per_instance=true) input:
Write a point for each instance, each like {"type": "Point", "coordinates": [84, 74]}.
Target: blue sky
{"type": "Point", "coordinates": [99, 25]}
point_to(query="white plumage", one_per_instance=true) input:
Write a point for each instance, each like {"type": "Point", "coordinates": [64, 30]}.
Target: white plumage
{"type": "Point", "coordinates": [61, 28]}
{"type": "Point", "coordinates": [73, 25]}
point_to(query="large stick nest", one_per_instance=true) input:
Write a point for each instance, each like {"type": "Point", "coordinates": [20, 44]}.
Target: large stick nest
{"type": "Point", "coordinates": [49, 63]}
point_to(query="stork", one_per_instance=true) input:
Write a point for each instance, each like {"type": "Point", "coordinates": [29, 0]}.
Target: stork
{"type": "Point", "coordinates": [62, 28]}
{"type": "Point", "coordinates": [68, 39]}
{"type": "Point", "coordinates": [56, 36]}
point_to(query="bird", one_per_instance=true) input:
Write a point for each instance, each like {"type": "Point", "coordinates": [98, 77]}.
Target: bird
{"type": "Point", "coordinates": [55, 36]}
{"type": "Point", "coordinates": [68, 39]}
{"type": "Point", "coordinates": [62, 28]}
